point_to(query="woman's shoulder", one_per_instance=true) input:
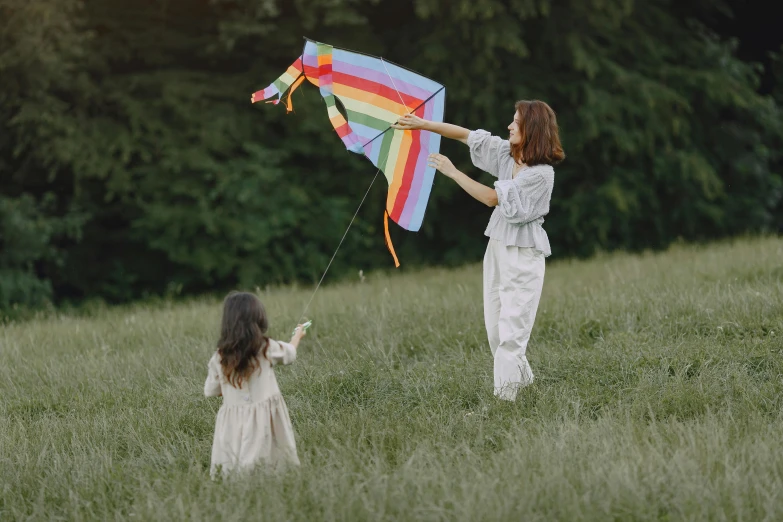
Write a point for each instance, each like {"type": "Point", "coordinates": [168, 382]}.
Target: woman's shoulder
{"type": "Point", "coordinates": [543, 170]}
{"type": "Point", "coordinates": [481, 136]}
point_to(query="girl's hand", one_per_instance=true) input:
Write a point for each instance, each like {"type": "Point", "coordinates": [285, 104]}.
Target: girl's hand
{"type": "Point", "coordinates": [443, 164]}
{"type": "Point", "coordinates": [410, 122]}
{"type": "Point", "coordinates": [300, 332]}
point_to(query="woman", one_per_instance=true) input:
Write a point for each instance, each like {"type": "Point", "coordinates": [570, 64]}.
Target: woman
{"type": "Point", "coordinates": [518, 244]}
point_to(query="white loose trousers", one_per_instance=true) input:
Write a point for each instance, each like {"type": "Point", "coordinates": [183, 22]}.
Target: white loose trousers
{"type": "Point", "coordinates": [513, 279]}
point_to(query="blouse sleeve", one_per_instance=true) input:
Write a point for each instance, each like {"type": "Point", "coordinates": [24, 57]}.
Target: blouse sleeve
{"type": "Point", "coordinates": [487, 150]}
{"type": "Point", "coordinates": [280, 352]}
{"type": "Point", "coordinates": [212, 384]}
{"type": "Point", "coordinates": [523, 198]}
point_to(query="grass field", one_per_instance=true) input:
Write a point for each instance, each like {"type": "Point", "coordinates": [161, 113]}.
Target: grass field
{"type": "Point", "coordinates": [658, 396]}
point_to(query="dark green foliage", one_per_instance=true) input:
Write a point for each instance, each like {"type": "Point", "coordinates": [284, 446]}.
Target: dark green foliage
{"type": "Point", "coordinates": [129, 126]}
{"type": "Point", "coordinates": [27, 234]}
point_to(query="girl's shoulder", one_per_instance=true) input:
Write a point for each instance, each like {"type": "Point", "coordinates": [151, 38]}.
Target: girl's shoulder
{"type": "Point", "coordinates": [214, 361]}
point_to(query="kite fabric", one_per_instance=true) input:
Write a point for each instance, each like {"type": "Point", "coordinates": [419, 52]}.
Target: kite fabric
{"type": "Point", "coordinates": [374, 94]}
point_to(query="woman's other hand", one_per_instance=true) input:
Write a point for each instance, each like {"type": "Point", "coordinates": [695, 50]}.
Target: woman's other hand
{"type": "Point", "coordinates": [443, 164]}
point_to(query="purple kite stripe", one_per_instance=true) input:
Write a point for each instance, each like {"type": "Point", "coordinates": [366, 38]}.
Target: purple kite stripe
{"type": "Point", "coordinates": [417, 181]}
{"type": "Point", "coordinates": [382, 78]}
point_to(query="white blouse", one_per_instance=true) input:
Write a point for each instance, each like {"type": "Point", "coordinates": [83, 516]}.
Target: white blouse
{"type": "Point", "coordinates": [523, 201]}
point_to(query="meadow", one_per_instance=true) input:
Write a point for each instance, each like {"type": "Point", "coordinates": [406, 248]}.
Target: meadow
{"type": "Point", "coordinates": [658, 396]}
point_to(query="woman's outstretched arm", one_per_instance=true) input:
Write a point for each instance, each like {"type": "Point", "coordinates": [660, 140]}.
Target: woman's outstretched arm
{"type": "Point", "coordinates": [447, 130]}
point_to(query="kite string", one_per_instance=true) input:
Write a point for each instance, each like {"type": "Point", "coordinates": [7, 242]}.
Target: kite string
{"type": "Point", "coordinates": [338, 247]}
{"type": "Point", "coordinates": [414, 110]}
{"type": "Point", "coordinates": [395, 86]}
{"type": "Point", "coordinates": [363, 199]}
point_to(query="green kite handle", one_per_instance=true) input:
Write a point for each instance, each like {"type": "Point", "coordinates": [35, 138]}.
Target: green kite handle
{"type": "Point", "coordinates": [304, 326]}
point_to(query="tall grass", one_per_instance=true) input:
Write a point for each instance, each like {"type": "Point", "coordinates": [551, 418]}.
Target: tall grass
{"type": "Point", "coordinates": [658, 396]}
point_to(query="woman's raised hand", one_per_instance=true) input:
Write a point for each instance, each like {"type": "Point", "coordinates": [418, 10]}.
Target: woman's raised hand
{"type": "Point", "coordinates": [410, 122]}
{"type": "Point", "coordinates": [443, 164]}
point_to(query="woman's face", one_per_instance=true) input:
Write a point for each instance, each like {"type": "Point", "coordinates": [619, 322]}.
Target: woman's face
{"type": "Point", "coordinates": [514, 136]}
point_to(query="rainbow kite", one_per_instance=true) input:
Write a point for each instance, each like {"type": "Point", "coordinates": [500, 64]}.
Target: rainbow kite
{"type": "Point", "coordinates": [374, 93]}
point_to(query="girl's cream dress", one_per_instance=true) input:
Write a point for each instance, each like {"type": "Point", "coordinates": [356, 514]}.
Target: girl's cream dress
{"type": "Point", "coordinates": [252, 425]}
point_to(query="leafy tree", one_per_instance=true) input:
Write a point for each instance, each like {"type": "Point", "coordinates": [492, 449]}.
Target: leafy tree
{"type": "Point", "coordinates": [133, 155]}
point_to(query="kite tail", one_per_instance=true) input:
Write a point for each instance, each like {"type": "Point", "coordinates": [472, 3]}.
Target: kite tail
{"type": "Point", "coordinates": [388, 238]}
{"type": "Point", "coordinates": [289, 81]}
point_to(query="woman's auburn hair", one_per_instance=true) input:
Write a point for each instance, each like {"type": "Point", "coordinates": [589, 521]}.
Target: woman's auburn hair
{"type": "Point", "coordinates": [540, 142]}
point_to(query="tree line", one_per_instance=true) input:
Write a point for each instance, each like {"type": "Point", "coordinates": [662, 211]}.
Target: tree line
{"type": "Point", "coordinates": [132, 163]}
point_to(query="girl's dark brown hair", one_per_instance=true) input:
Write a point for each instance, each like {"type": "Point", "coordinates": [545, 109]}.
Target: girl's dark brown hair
{"type": "Point", "coordinates": [242, 336]}
{"type": "Point", "coordinates": [540, 135]}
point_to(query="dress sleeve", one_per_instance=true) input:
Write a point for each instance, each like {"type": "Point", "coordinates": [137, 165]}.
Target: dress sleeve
{"type": "Point", "coordinates": [523, 198]}
{"type": "Point", "coordinates": [280, 352]}
{"type": "Point", "coordinates": [212, 384]}
{"type": "Point", "coordinates": [487, 150]}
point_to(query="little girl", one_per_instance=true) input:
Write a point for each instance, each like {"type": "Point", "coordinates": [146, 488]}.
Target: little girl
{"type": "Point", "coordinates": [252, 425]}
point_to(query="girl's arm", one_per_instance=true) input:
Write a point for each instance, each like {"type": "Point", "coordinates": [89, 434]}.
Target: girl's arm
{"type": "Point", "coordinates": [298, 334]}
{"type": "Point", "coordinates": [447, 130]}
{"type": "Point", "coordinates": [279, 352]}
{"type": "Point", "coordinates": [212, 384]}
